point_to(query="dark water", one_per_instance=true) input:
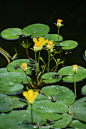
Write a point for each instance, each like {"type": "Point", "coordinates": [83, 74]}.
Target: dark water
{"type": "Point", "coordinates": [20, 13]}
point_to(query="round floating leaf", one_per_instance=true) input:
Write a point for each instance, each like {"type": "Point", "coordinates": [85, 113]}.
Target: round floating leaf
{"type": "Point", "coordinates": [68, 70]}
{"type": "Point", "coordinates": [68, 44]}
{"type": "Point", "coordinates": [36, 30]}
{"type": "Point", "coordinates": [48, 77]}
{"type": "Point", "coordinates": [53, 37]}
{"type": "Point", "coordinates": [16, 66]}
{"type": "Point", "coordinates": [62, 123]}
{"type": "Point", "coordinates": [3, 70]}
{"type": "Point", "coordinates": [17, 119]}
{"type": "Point", "coordinates": [46, 106]}
{"type": "Point", "coordinates": [9, 82]}
{"type": "Point", "coordinates": [41, 97]}
{"type": "Point", "coordinates": [47, 115]}
{"type": "Point", "coordinates": [11, 33]}
{"type": "Point", "coordinates": [61, 93]}
{"type": "Point", "coordinates": [84, 90]}
{"type": "Point", "coordinates": [18, 104]}
{"type": "Point", "coordinates": [6, 103]}
{"type": "Point", "coordinates": [77, 124]}
{"type": "Point", "coordinates": [78, 109]}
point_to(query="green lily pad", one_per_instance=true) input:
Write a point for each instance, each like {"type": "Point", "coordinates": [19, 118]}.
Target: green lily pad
{"type": "Point", "coordinates": [84, 90]}
{"type": "Point", "coordinates": [53, 37]}
{"type": "Point", "coordinates": [78, 109]}
{"type": "Point", "coordinates": [17, 119]}
{"type": "Point", "coordinates": [68, 70]}
{"type": "Point", "coordinates": [62, 123]}
{"type": "Point", "coordinates": [78, 124]}
{"type": "Point", "coordinates": [19, 104]}
{"type": "Point", "coordinates": [10, 82]}
{"type": "Point", "coordinates": [46, 106]}
{"type": "Point", "coordinates": [41, 97]}
{"type": "Point", "coordinates": [47, 115]}
{"type": "Point", "coordinates": [3, 70]}
{"type": "Point", "coordinates": [36, 30]}
{"type": "Point", "coordinates": [48, 77]}
{"type": "Point", "coordinates": [12, 65]}
{"type": "Point", "coordinates": [11, 33]}
{"type": "Point", "coordinates": [6, 103]}
{"type": "Point", "coordinates": [68, 44]}
{"type": "Point", "coordinates": [61, 93]}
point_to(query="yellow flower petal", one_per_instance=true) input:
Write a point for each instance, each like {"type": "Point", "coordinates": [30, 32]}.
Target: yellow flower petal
{"type": "Point", "coordinates": [59, 20]}
{"type": "Point", "coordinates": [39, 43]}
{"type": "Point", "coordinates": [30, 95]}
{"type": "Point", "coordinates": [35, 40]}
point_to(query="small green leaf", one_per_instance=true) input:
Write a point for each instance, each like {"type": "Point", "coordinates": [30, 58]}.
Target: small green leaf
{"type": "Point", "coordinates": [3, 70]}
{"type": "Point", "coordinates": [36, 30]}
{"type": "Point", "coordinates": [76, 124]}
{"type": "Point", "coordinates": [46, 106]}
{"type": "Point", "coordinates": [19, 119]}
{"type": "Point", "coordinates": [11, 33]}
{"type": "Point", "coordinates": [53, 37]}
{"type": "Point", "coordinates": [48, 77]}
{"type": "Point", "coordinates": [68, 44]}
{"type": "Point", "coordinates": [62, 123]}
{"type": "Point", "coordinates": [78, 109]}
{"type": "Point", "coordinates": [10, 82]}
{"type": "Point", "coordinates": [84, 90]}
{"type": "Point", "coordinates": [61, 93]}
{"type": "Point", "coordinates": [12, 66]}
{"type": "Point", "coordinates": [68, 70]}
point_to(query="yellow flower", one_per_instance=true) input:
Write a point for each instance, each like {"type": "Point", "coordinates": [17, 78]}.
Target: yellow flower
{"type": "Point", "coordinates": [24, 66]}
{"type": "Point", "coordinates": [75, 68]}
{"type": "Point", "coordinates": [39, 43]}
{"type": "Point", "coordinates": [30, 95]}
{"type": "Point", "coordinates": [59, 22]}
{"type": "Point", "coordinates": [50, 45]}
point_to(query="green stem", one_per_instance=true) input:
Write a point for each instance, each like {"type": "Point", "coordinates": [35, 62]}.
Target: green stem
{"type": "Point", "coordinates": [36, 63]}
{"type": "Point", "coordinates": [31, 114]}
{"type": "Point", "coordinates": [58, 35]}
{"type": "Point", "coordinates": [75, 85]}
{"type": "Point", "coordinates": [27, 80]}
{"type": "Point", "coordinates": [48, 59]}
{"type": "Point", "coordinates": [38, 60]}
{"type": "Point", "coordinates": [27, 52]}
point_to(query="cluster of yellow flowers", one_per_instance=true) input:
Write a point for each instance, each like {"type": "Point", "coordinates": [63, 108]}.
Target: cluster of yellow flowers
{"type": "Point", "coordinates": [41, 42]}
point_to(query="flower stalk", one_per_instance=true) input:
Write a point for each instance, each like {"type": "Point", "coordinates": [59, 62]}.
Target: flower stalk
{"type": "Point", "coordinates": [75, 85]}
{"type": "Point", "coordinates": [31, 113]}
{"type": "Point", "coordinates": [36, 63]}
{"type": "Point", "coordinates": [48, 59]}
{"type": "Point", "coordinates": [38, 60]}
{"type": "Point", "coordinates": [75, 69]}
{"type": "Point", "coordinates": [58, 35]}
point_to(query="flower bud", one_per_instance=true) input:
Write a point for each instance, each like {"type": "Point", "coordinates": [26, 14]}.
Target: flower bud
{"type": "Point", "coordinates": [75, 68]}
{"type": "Point", "coordinates": [24, 66]}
